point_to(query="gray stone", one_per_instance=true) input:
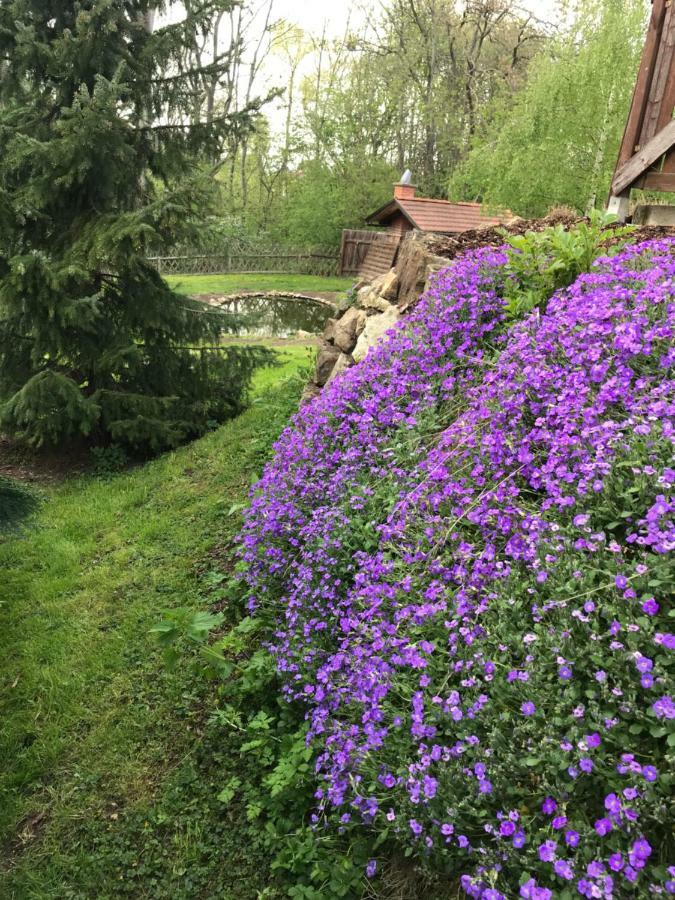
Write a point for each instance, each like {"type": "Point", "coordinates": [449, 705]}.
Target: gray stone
{"type": "Point", "coordinates": [372, 300]}
{"type": "Point", "coordinates": [654, 214]}
{"type": "Point", "coordinates": [344, 361]}
{"type": "Point", "coordinates": [376, 326]}
{"type": "Point", "coordinates": [354, 321]}
{"type": "Point", "coordinates": [341, 335]}
{"type": "Point", "coordinates": [324, 363]}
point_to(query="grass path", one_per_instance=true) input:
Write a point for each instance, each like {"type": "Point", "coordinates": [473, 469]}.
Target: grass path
{"type": "Point", "coordinates": [230, 284]}
{"type": "Point", "coordinates": [96, 737]}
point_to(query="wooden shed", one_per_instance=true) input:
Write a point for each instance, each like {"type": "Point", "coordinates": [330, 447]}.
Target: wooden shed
{"type": "Point", "coordinates": [406, 212]}
{"type": "Point", "coordinates": [647, 155]}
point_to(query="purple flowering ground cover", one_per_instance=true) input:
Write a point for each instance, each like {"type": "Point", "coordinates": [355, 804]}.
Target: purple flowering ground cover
{"type": "Point", "coordinates": [465, 548]}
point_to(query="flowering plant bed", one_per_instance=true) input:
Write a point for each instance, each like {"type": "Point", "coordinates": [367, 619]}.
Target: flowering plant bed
{"type": "Point", "coordinates": [464, 546]}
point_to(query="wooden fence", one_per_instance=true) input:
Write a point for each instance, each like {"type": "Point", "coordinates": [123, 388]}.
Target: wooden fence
{"type": "Point", "coordinates": [354, 249]}
{"type": "Point", "coordinates": [266, 261]}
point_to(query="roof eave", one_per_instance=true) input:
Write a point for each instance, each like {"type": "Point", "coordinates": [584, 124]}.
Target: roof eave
{"type": "Point", "coordinates": [387, 211]}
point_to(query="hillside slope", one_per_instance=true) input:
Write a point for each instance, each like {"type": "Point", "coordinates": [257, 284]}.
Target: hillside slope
{"type": "Point", "coordinates": [463, 549]}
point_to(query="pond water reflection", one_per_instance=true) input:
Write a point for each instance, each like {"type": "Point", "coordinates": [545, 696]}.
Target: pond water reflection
{"type": "Point", "coordinates": [265, 316]}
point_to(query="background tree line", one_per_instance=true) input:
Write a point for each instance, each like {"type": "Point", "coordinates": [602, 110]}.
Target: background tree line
{"type": "Point", "coordinates": [483, 100]}
{"type": "Point", "coordinates": [132, 127]}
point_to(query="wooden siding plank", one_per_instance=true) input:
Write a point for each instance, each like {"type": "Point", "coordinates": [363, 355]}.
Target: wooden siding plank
{"type": "Point", "coordinates": [643, 84]}
{"type": "Point", "coordinates": [631, 170]}
{"type": "Point", "coordinates": [658, 113]}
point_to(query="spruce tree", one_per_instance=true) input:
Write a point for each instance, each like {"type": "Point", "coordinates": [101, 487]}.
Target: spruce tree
{"type": "Point", "coordinates": [98, 163]}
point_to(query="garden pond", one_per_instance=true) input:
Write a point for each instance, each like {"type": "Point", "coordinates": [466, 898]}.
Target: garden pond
{"type": "Point", "coordinates": [280, 316]}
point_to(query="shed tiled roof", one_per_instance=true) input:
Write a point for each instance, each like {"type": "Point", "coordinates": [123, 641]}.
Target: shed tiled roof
{"type": "Point", "coordinates": [437, 215]}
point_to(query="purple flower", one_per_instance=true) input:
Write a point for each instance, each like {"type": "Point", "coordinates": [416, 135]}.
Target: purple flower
{"type": "Point", "coordinates": [630, 874]}
{"type": "Point", "coordinates": [664, 708]}
{"type": "Point", "coordinates": [616, 862]}
{"type": "Point", "coordinates": [603, 826]}
{"type": "Point", "coordinates": [507, 828]}
{"type": "Point", "coordinates": [641, 849]}
{"type": "Point", "coordinates": [612, 804]}
{"type": "Point", "coordinates": [547, 850]}
{"type": "Point", "coordinates": [391, 552]}
{"type": "Point", "coordinates": [531, 891]}
{"type": "Point", "coordinates": [563, 869]}
{"type": "Point", "coordinates": [549, 806]}
{"type": "Point", "coordinates": [371, 868]}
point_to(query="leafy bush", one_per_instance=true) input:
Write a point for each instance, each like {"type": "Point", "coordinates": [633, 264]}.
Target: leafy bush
{"type": "Point", "coordinates": [540, 263]}
{"type": "Point", "coordinates": [109, 460]}
{"type": "Point", "coordinates": [461, 551]}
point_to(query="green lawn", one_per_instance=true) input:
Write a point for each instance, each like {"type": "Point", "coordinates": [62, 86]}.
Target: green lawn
{"type": "Point", "coordinates": [108, 782]}
{"type": "Point", "coordinates": [232, 284]}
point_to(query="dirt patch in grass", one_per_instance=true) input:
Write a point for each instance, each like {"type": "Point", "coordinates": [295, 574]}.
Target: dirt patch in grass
{"type": "Point", "coordinates": [41, 467]}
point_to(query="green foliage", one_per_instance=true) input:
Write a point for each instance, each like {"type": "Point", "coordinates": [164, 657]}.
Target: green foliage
{"type": "Point", "coordinates": [109, 460]}
{"type": "Point", "coordinates": [556, 141]}
{"type": "Point", "coordinates": [111, 773]}
{"type": "Point", "coordinates": [540, 263]}
{"type": "Point", "coordinates": [322, 199]}
{"type": "Point", "coordinates": [93, 343]}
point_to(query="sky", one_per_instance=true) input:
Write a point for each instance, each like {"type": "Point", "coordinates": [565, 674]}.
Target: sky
{"type": "Point", "coordinates": [313, 16]}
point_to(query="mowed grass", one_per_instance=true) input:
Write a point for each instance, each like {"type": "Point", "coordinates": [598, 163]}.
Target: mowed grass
{"type": "Point", "coordinates": [100, 791]}
{"type": "Point", "coordinates": [232, 284]}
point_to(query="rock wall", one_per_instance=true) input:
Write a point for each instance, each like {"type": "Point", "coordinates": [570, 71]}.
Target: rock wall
{"type": "Point", "coordinates": [378, 306]}
{"type": "Point", "coordinates": [381, 303]}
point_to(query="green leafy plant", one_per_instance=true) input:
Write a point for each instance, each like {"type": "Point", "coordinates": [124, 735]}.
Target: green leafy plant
{"type": "Point", "coordinates": [181, 625]}
{"type": "Point", "coordinates": [109, 460]}
{"type": "Point", "coordinates": [540, 263]}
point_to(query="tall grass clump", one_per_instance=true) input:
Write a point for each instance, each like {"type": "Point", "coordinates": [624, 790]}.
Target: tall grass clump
{"type": "Point", "coordinates": [463, 553]}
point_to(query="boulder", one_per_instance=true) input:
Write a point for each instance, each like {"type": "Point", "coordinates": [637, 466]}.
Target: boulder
{"type": "Point", "coordinates": [325, 361]}
{"type": "Point", "coordinates": [344, 361]}
{"type": "Point", "coordinates": [354, 321]}
{"type": "Point", "coordinates": [342, 332]}
{"type": "Point", "coordinates": [375, 328]}
{"type": "Point", "coordinates": [389, 288]}
{"type": "Point", "coordinates": [415, 261]}
{"type": "Point", "coordinates": [376, 283]}
{"type": "Point", "coordinates": [372, 300]}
